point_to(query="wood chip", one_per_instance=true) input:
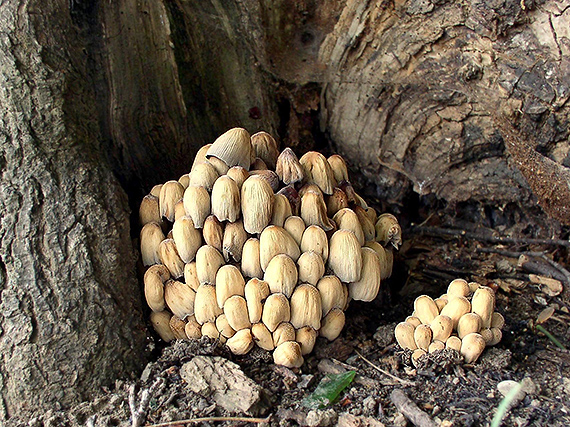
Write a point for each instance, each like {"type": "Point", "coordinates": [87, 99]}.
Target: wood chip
{"type": "Point", "coordinates": [410, 410]}
{"type": "Point", "coordinates": [509, 285]}
{"type": "Point", "coordinates": [225, 382]}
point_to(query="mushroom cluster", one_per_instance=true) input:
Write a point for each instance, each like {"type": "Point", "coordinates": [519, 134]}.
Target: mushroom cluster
{"type": "Point", "coordinates": [259, 247]}
{"type": "Point", "coordinates": [463, 319]}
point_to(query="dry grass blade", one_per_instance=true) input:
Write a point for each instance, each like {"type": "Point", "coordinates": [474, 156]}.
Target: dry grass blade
{"type": "Point", "coordinates": [437, 231]}
{"type": "Point", "coordinates": [505, 405]}
{"type": "Point", "coordinates": [382, 371]}
{"type": "Point", "coordinates": [213, 420]}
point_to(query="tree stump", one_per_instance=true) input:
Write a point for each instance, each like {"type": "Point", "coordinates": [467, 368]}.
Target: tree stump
{"type": "Point", "coordinates": [105, 99]}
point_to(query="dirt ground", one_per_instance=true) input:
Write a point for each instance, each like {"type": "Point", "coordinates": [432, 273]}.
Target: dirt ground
{"type": "Point", "coordinates": [449, 392]}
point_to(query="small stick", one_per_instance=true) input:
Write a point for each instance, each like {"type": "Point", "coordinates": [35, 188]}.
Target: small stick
{"type": "Point", "coordinates": [510, 254]}
{"type": "Point", "coordinates": [214, 419]}
{"type": "Point", "coordinates": [541, 255]}
{"type": "Point", "coordinates": [539, 267]}
{"type": "Point", "coordinates": [138, 415]}
{"type": "Point", "coordinates": [410, 410]}
{"type": "Point", "coordinates": [436, 231]}
{"type": "Point", "coordinates": [388, 374]}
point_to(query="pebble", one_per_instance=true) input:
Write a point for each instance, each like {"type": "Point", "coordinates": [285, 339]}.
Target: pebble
{"type": "Point", "coordinates": [566, 384]}
{"type": "Point", "coordinates": [505, 388]}
{"type": "Point", "coordinates": [327, 366]}
{"type": "Point", "coordinates": [529, 386]}
{"type": "Point", "coordinates": [348, 420]}
{"type": "Point", "coordinates": [321, 418]}
{"type": "Point", "coordinates": [305, 382]}
{"type": "Point", "coordinates": [225, 382]}
{"type": "Point", "coordinates": [535, 403]}
{"type": "Point", "coordinates": [369, 405]}
{"type": "Point", "coordinates": [146, 372]}
{"type": "Point", "coordinates": [400, 420]}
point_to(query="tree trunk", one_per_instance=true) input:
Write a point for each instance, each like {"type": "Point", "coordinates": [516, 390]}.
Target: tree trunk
{"type": "Point", "coordinates": [106, 98]}
{"type": "Point", "coordinates": [409, 91]}
{"type": "Point", "coordinates": [70, 310]}
{"type": "Point", "coordinates": [413, 90]}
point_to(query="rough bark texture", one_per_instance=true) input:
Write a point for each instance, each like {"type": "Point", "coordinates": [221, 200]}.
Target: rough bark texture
{"type": "Point", "coordinates": [407, 91]}
{"type": "Point", "coordinates": [412, 89]}
{"type": "Point", "coordinates": [97, 94]}
{"type": "Point", "coordinates": [70, 316]}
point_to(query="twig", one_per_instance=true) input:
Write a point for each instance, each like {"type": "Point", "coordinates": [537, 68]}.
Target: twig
{"type": "Point", "coordinates": [510, 254]}
{"type": "Point", "coordinates": [138, 415]}
{"type": "Point", "coordinates": [410, 410]}
{"type": "Point", "coordinates": [541, 268]}
{"type": "Point", "coordinates": [388, 374]}
{"type": "Point", "coordinates": [436, 231]}
{"type": "Point", "coordinates": [550, 337]}
{"type": "Point", "coordinates": [514, 254]}
{"type": "Point", "coordinates": [214, 419]}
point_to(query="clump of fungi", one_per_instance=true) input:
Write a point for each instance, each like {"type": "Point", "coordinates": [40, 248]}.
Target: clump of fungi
{"type": "Point", "coordinates": [464, 319]}
{"type": "Point", "coordinates": [257, 247]}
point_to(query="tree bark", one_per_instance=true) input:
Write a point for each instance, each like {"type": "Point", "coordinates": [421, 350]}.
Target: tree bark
{"type": "Point", "coordinates": [101, 99]}
{"type": "Point", "coordinates": [70, 311]}
{"type": "Point", "coordinates": [412, 89]}
{"type": "Point", "coordinates": [408, 91]}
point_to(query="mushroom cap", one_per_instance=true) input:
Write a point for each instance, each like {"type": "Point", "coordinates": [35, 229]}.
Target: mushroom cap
{"type": "Point", "coordinates": [288, 354]}
{"type": "Point", "coordinates": [472, 345]}
{"type": "Point", "coordinates": [266, 148]}
{"type": "Point", "coordinates": [345, 256]}
{"type": "Point", "coordinates": [256, 204]}
{"type": "Point", "coordinates": [233, 147]}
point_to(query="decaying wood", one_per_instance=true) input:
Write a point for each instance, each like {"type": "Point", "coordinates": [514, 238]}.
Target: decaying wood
{"type": "Point", "coordinates": [411, 89]}
{"type": "Point", "coordinates": [226, 383]}
{"type": "Point", "coordinates": [549, 181]}
{"type": "Point", "coordinates": [410, 410]}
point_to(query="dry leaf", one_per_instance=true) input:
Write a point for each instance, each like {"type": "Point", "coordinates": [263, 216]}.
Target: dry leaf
{"type": "Point", "coordinates": [545, 314]}
{"type": "Point", "coordinates": [549, 286]}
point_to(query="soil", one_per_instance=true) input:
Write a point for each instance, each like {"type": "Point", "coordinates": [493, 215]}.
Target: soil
{"type": "Point", "coordinates": [450, 392]}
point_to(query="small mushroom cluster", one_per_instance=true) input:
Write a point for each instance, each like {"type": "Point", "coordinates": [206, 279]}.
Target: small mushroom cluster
{"type": "Point", "coordinates": [259, 247]}
{"type": "Point", "coordinates": [463, 319]}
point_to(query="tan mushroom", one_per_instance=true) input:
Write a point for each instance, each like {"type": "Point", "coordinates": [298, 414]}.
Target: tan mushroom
{"type": "Point", "coordinates": [154, 279]}
{"type": "Point", "coordinates": [266, 148]}
{"type": "Point", "coordinates": [233, 147]}
{"type": "Point", "coordinates": [345, 256]}
{"type": "Point", "coordinates": [151, 236]}
{"type": "Point", "coordinates": [317, 170]}
{"type": "Point", "coordinates": [256, 204]}
{"type": "Point", "coordinates": [288, 167]}
{"type": "Point", "coordinates": [226, 199]}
